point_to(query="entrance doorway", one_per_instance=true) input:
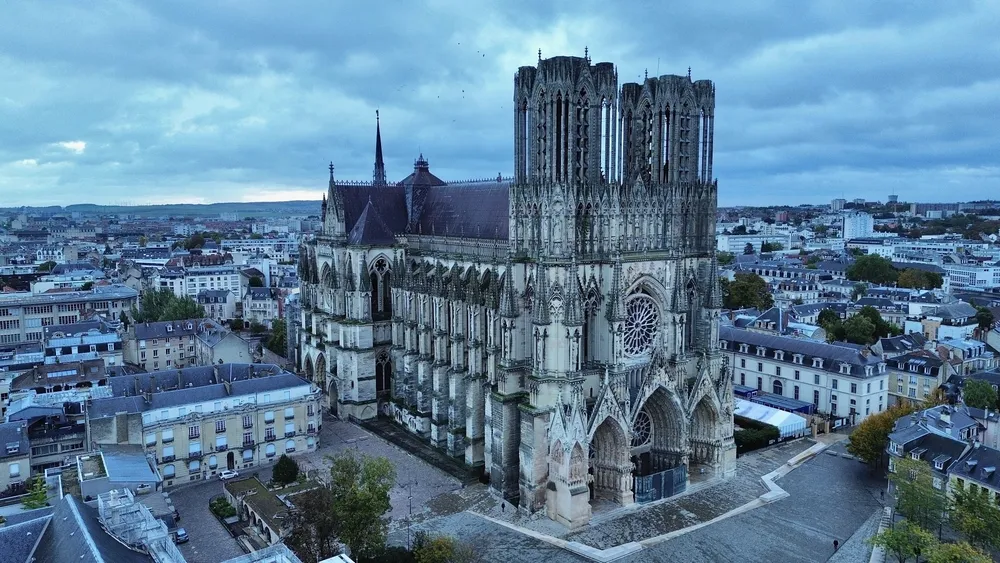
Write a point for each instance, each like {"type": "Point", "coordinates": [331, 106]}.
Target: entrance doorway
{"type": "Point", "coordinates": [231, 461]}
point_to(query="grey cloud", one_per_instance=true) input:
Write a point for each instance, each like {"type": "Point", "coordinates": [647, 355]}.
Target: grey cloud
{"type": "Point", "coordinates": [816, 99]}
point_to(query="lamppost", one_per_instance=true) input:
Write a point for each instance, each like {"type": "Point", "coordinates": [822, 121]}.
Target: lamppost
{"type": "Point", "coordinates": [409, 519]}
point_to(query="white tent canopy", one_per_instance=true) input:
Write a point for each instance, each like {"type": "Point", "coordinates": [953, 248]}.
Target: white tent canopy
{"type": "Point", "coordinates": [788, 424]}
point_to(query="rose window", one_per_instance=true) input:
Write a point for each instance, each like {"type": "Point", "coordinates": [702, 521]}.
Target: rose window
{"type": "Point", "coordinates": [642, 321]}
{"type": "Point", "coordinates": [641, 430]}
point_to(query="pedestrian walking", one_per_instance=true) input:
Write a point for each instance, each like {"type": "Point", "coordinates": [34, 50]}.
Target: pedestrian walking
{"type": "Point", "coordinates": [836, 545]}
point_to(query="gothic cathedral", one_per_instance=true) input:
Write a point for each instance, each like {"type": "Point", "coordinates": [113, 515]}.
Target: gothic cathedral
{"type": "Point", "coordinates": [558, 329]}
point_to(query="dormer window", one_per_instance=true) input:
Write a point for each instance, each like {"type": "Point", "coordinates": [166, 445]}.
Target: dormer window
{"type": "Point", "coordinates": [817, 362]}
{"type": "Point", "coordinates": [845, 368]}
{"type": "Point", "coordinates": [745, 348]}
{"type": "Point", "coordinates": [761, 351]}
{"type": "Point", "coordinates": [797, 358]}
{"type": "Point", "coordinates": [894, 447]}
{"type": "Point", "coordinates": [779, 355]}
{"type": "Point", "coordinates": [868, 370]}
{"type": "Point", "coordinates": [723, 344]}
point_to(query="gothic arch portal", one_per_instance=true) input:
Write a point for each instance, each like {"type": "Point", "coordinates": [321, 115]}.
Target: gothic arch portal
{"type": "Point", "coordinates": [668, 445]}
{"type": "Point", "coordinates": [334, 396]}
{"type": "Point", "coordinates": [308, 368]}
{"type": "Point", "coordinates": [609, 462]}
{"type": "Point", "coordinates": [706, 438]}
{"type": "Point", "coordinates": [319, 378]}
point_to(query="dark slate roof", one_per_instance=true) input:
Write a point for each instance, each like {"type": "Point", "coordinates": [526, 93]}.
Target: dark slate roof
{"type": "Point", "coordinates": [928, 421]}
{"type": "Point", "coordinates": [814, 308]}
{"type": "Point", "coordinates": [13, 437]}
{"type": "Point", "coordinates": [149, 331]}
{"type": "Point", "coordinates": [833, 354]}
{"type": "Point", "coordinates": [876, 302]}
{"type": "Point", "coordinates": [957, 310]}
{"type": "Point", "coordinates": [924, 267]}
{"type": "Point", "coordinates": [206, 294]}
{"type": "Point", "coordinates": [63, 269]}
{"type": "Point", "coordinates": [370, 228]}
{"type": "Point", "coordinates": [902, 343]}
{"type": "Point", "coordinates": [74, 529]}
{"type": "Point", "coordinates": [190, 385]}
{"type": "Point", "coordinates": [980, 465]}
{"type": "Point", "coordinates": [18, 538]}
{"type": "Point", "coordinates": [262, 293]}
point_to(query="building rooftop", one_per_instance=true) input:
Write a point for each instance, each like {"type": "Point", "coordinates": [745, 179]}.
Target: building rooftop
{"type": "Point", "coordinates": [13, 440]}
{"type": "Point", "coordinates": [833, 355]}
{"type": "Point", "coordinates": [166, 329]}
{"type": "Point", "coordinates": [263, 501]}
{"type": "Point", "coordinates": [98, 293]}
{"type": "Point", "coordinates": [91, 466]}
{"type": "Point", "coordinates": [980, 465]}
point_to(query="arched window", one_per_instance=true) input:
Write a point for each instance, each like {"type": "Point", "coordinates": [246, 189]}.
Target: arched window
{"type": "Point", "coordinates": [381, 290]}
{"type": "Point", "coordinates": [776, 387]}
{"type": "Point", "coordinates": [290, 446]}
{"type": "Point", "coordinates": [269, 450]}
{"type": "Point", "coordinates": [168, 471]}
{"type": "Point", "coordinates": [213, 462]}
{"type": "Point", "coordinates": [383, 373]}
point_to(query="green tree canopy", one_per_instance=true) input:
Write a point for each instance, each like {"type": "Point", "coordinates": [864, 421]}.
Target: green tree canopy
{"type": "Point", "coordinates": [872, 268]}
{"type": "Point", "coordinates": [771, 247]}
{"type": "Point", "coordinates": [977, 517]}
{"type": "Point", "coordinates": [46, 266]}
{"type": "Point", "coordinates": [278, 341]}
{"type": "Point", "coordinates": [904, 541]}
{"type": "Point", "coordinates": [256, 281]}
{"type": "Point", "coordinates": [747, 290]}
{"type": "Point", "coordinates": [870, 438]}
{"type": "Point", "coordinates": [919, 279]}
{"type": "Point", "coordinates": [984, 317]}
{"type": "Point", "coordinates": [748, 249]}
{"type": "Point", "coordinates": [882, 327]}
{"type": "Point", "coordinates": [314, 526]}
{"type": "Point", "coordinates": [37, 495]}
{"type": "Point", "coordinates": [917, 498]}
{"type": "Point", "coordinates": [360, 486]}
{"type": "Point", "coordinates": [285, 471]}
{"type": "Point", "coordinates": [978, 393]}
{"type": "Point", "coordinates": [725, 258]}
{"type": "Point", "coordinates": [163, 305]}
{"type": "Point", "coordinates": [859, 330]}
{"type": "Point", "coordinates": [960, 552]}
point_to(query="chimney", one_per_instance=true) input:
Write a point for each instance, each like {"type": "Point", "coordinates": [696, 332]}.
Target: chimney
{"type": "Point", "coordinates": [215, 374]}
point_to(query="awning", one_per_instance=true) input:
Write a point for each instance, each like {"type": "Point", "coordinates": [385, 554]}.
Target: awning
{"type": "Point", "coordinates": [788, 424]}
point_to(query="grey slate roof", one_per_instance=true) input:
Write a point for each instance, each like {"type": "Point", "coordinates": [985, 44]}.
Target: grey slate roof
{"type": "Point", "coordinates": [957, 310]}
{"type": "Point", "coordinates": [18, 538]}
{"type": "Point", "coordinates": [190, 385]}
{"type": "Point", "coordinates": [980, 465]}
{"type": "Point", "coordinates": [150, 331]}
{"type": "Point", "coordinates": [13, 440]}
{"type": "Point", "coordinates": [74, 529]}
{"type": "Point", "coordinates": [902, 343]}
{"type": "Point", "coordinates": [832, 354]}
{"type": "Point", "coordinates": [262, 293]}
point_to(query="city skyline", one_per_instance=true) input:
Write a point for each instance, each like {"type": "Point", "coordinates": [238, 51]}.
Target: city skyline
{"type": "Point", "coordinates": [167, 104]}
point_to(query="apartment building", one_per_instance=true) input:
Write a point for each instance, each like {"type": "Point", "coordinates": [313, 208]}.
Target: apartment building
{"type": "Point", "coordinates": [914, 376]}
{"type": "Point", "coordinates": [23, 316]}
{"type": "Point", "coordinates": [87, 340]}
{"type": "Point", "coordinates": [56, 424]}
{"type": "Point", "coordinates": [977, 276]}
{"type": "Point", "coordinates": [842, 380]}
{"type": "Point", "coordinates": [939, 436]}
{"type": "Point", "coordinates": [14, 455]}
{"type": "Point", "coordinates": [217, 345]}
{"type": "Point", "coordinates": [977, 473]}
{"type": "Point", "coordinates": [952, 320]}
{"type": "Point", "coordinates": [219, 304]}
{"type": "Point", "coordinates": [162, 345]}
{"type": "Point", "coordinates": [202, 420]}
{"type": "Point", "coordinates": [278, 249]}
{"type": "Point", "coordinates": [262, 305]}
{"type": "Point", "coordinates": [189, 282]}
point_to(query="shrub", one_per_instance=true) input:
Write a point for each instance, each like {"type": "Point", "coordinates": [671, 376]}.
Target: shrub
{"type": "Point", "coordinates": [753, 434]}
{"type": "Point", "coordinates": [222, 508]}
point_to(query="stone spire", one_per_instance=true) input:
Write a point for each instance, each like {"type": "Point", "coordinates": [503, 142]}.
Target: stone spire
{"type": "Point", "coordinates": [541, 306]}
{"type": "Point", "coordinates": [715, 290]}
{"type": "Point", "coordinates": [378, 178]}
{"type": "Point", "coordinates": [616, 305]}
{"type": "Point", "coordinates": [574, 301]}
{"type": "Point", "coordinates": [349, 277]}
{"type": "Point", "coordinates": [323, 211]}
{"type": "Point", "coordinates": [508, 297]}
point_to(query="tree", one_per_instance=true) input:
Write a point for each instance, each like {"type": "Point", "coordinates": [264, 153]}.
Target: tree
{"type": "Point", "coordinates": [163, 305]}
{"type": "Point", "coordinates": [285, 471]}
{"type": "Point", "coordinates": [725, 258]}
{"type": "Point", "coordinates": [872, 268]}
{"type": "Point", "coordinates": [956, 553]}
{"type": "Point", "coordinates": [314, 526]}
{"type": "Point", "coordinates": [87, 286]}
{"type": "Point", "coordinates": [46, 266]}
{"type": "Point", "coordinates": [912, 278]}
{"type": "Point", "coordinates": [859, 330]}
{"type": "Point", "coordinates": [278, 341]}
{"type": "Point", "coordinates": [827, 317]}
{"type": "Point", "coordinates": [904, 540]}
{"type": "Point", "coordinates": [977, 518]}
{"type": "Point", "coordinates": [747, 290]}
{"type": "Point", "coordinates": [143, 241]}
{"type": "Point", "coordinates": [859, 291]}
{"type": "Point", "coordinates": [882, 327]}
{"type": "Point", "coordinates": [255, 281]}
{"type": "Point", "coordinates": [748, 249]}
{"type": "Point", "coordinates": [442, 549]}
{"type": "Point", "coordinates": [37, 495]}
{"type": "Point", "coordinates": [984, 317]}
{"type": "Point", "coordinates": [360, 487]}
{"type": "Point", "coordinates": [771, 247]}
{"type": "Point", "coordinates": [917, 499]}
{"type": "Point", "coordinates": [978, 393]}
{"type": "Point", "coordinates": [740, 230]}
{"type": "Point", "coordinates": [870, 438]}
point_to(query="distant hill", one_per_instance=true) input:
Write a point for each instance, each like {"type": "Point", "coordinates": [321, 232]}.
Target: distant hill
{"type": "Point", "coordinates": [244, 209]}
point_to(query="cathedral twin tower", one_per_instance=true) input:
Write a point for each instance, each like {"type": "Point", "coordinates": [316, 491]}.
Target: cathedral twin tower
{"type": "Point", "coordinates": [557, 330]}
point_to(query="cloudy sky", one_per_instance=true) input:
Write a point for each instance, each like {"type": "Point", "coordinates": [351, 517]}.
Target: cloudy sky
{"type": "Point", "coordinates": [190, 101]}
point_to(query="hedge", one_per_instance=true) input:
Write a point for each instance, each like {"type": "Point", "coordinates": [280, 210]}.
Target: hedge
{"type": "Point", "coordinates": [754, 435]}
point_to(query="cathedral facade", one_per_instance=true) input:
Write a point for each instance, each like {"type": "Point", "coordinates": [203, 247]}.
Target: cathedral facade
{"type": "Point", "coordinates": [557, 329]}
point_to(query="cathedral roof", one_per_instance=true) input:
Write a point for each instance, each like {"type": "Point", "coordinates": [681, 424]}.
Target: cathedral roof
{"type": "Point", "coordinates": [370, 228]}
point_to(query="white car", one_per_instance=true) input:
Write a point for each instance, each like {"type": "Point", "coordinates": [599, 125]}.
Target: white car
{"type": "Point", "coordinates": [228, 474]}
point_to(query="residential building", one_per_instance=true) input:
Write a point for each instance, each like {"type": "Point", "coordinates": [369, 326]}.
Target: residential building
{"type": "Point", "coordinates": [893, 346]}
{"type": "Point", "coordinates": [56, 431]}
{"type": "Point", "coordinates": [968, 356]}
{"type": "Point", "coordinates": [214, 344]}
{"type": "Point", "coordinates": [890, 312]}
{"type": "Point", "coordinates": [188, 282]}
{"type": "Point", "coordinates": [264, 509]}
{"type": "Point", "coordinates": [23, 315]}
{"type": "Point", "coordinates": [976, 472]}
{"type": "Point", "coordinates": [161, 345]}
{"type": "Point", "coordinates": [857, 224]}
{"type": "Point", "coordinates": [953, 320]}
{"type": "Point", "coordinates": [978, 276]}
{"type": "Point", "coordinates": [262, 305]}
{"type": "Point", "coordinates": [85, 340]}
{"type": "Point", "coordinates": [53, 378]}
{"type": "Point", "coordinates": [57, 253]}
{"type": "Point", "coordinates": [219, 304]}
{"type": "Point", "coordinates": [14, 456]}
{"type": "Point", "coordinates": [843, 381]}
{"type": "Point", "coordinates": [199, 421]}
{"type": "Point", "coordinates": [71, 281]}
{"type": "Point", "coordinates": [938, 436]}
{"type": "Point", "coordinates": [914, 376]}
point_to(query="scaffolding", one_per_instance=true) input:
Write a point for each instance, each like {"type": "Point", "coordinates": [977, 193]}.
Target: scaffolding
{"type": "Point", "coordinates": [134, 526]}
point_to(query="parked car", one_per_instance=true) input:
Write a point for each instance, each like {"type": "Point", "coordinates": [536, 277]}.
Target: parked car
{"type": "Point", "coordinates": [181, 536]}
{"type": "Point", "coordinates": [228, 474]}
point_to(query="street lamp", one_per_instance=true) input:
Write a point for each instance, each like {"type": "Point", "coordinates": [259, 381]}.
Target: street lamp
{"type": "Point", "coordinates": [409, 519]}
